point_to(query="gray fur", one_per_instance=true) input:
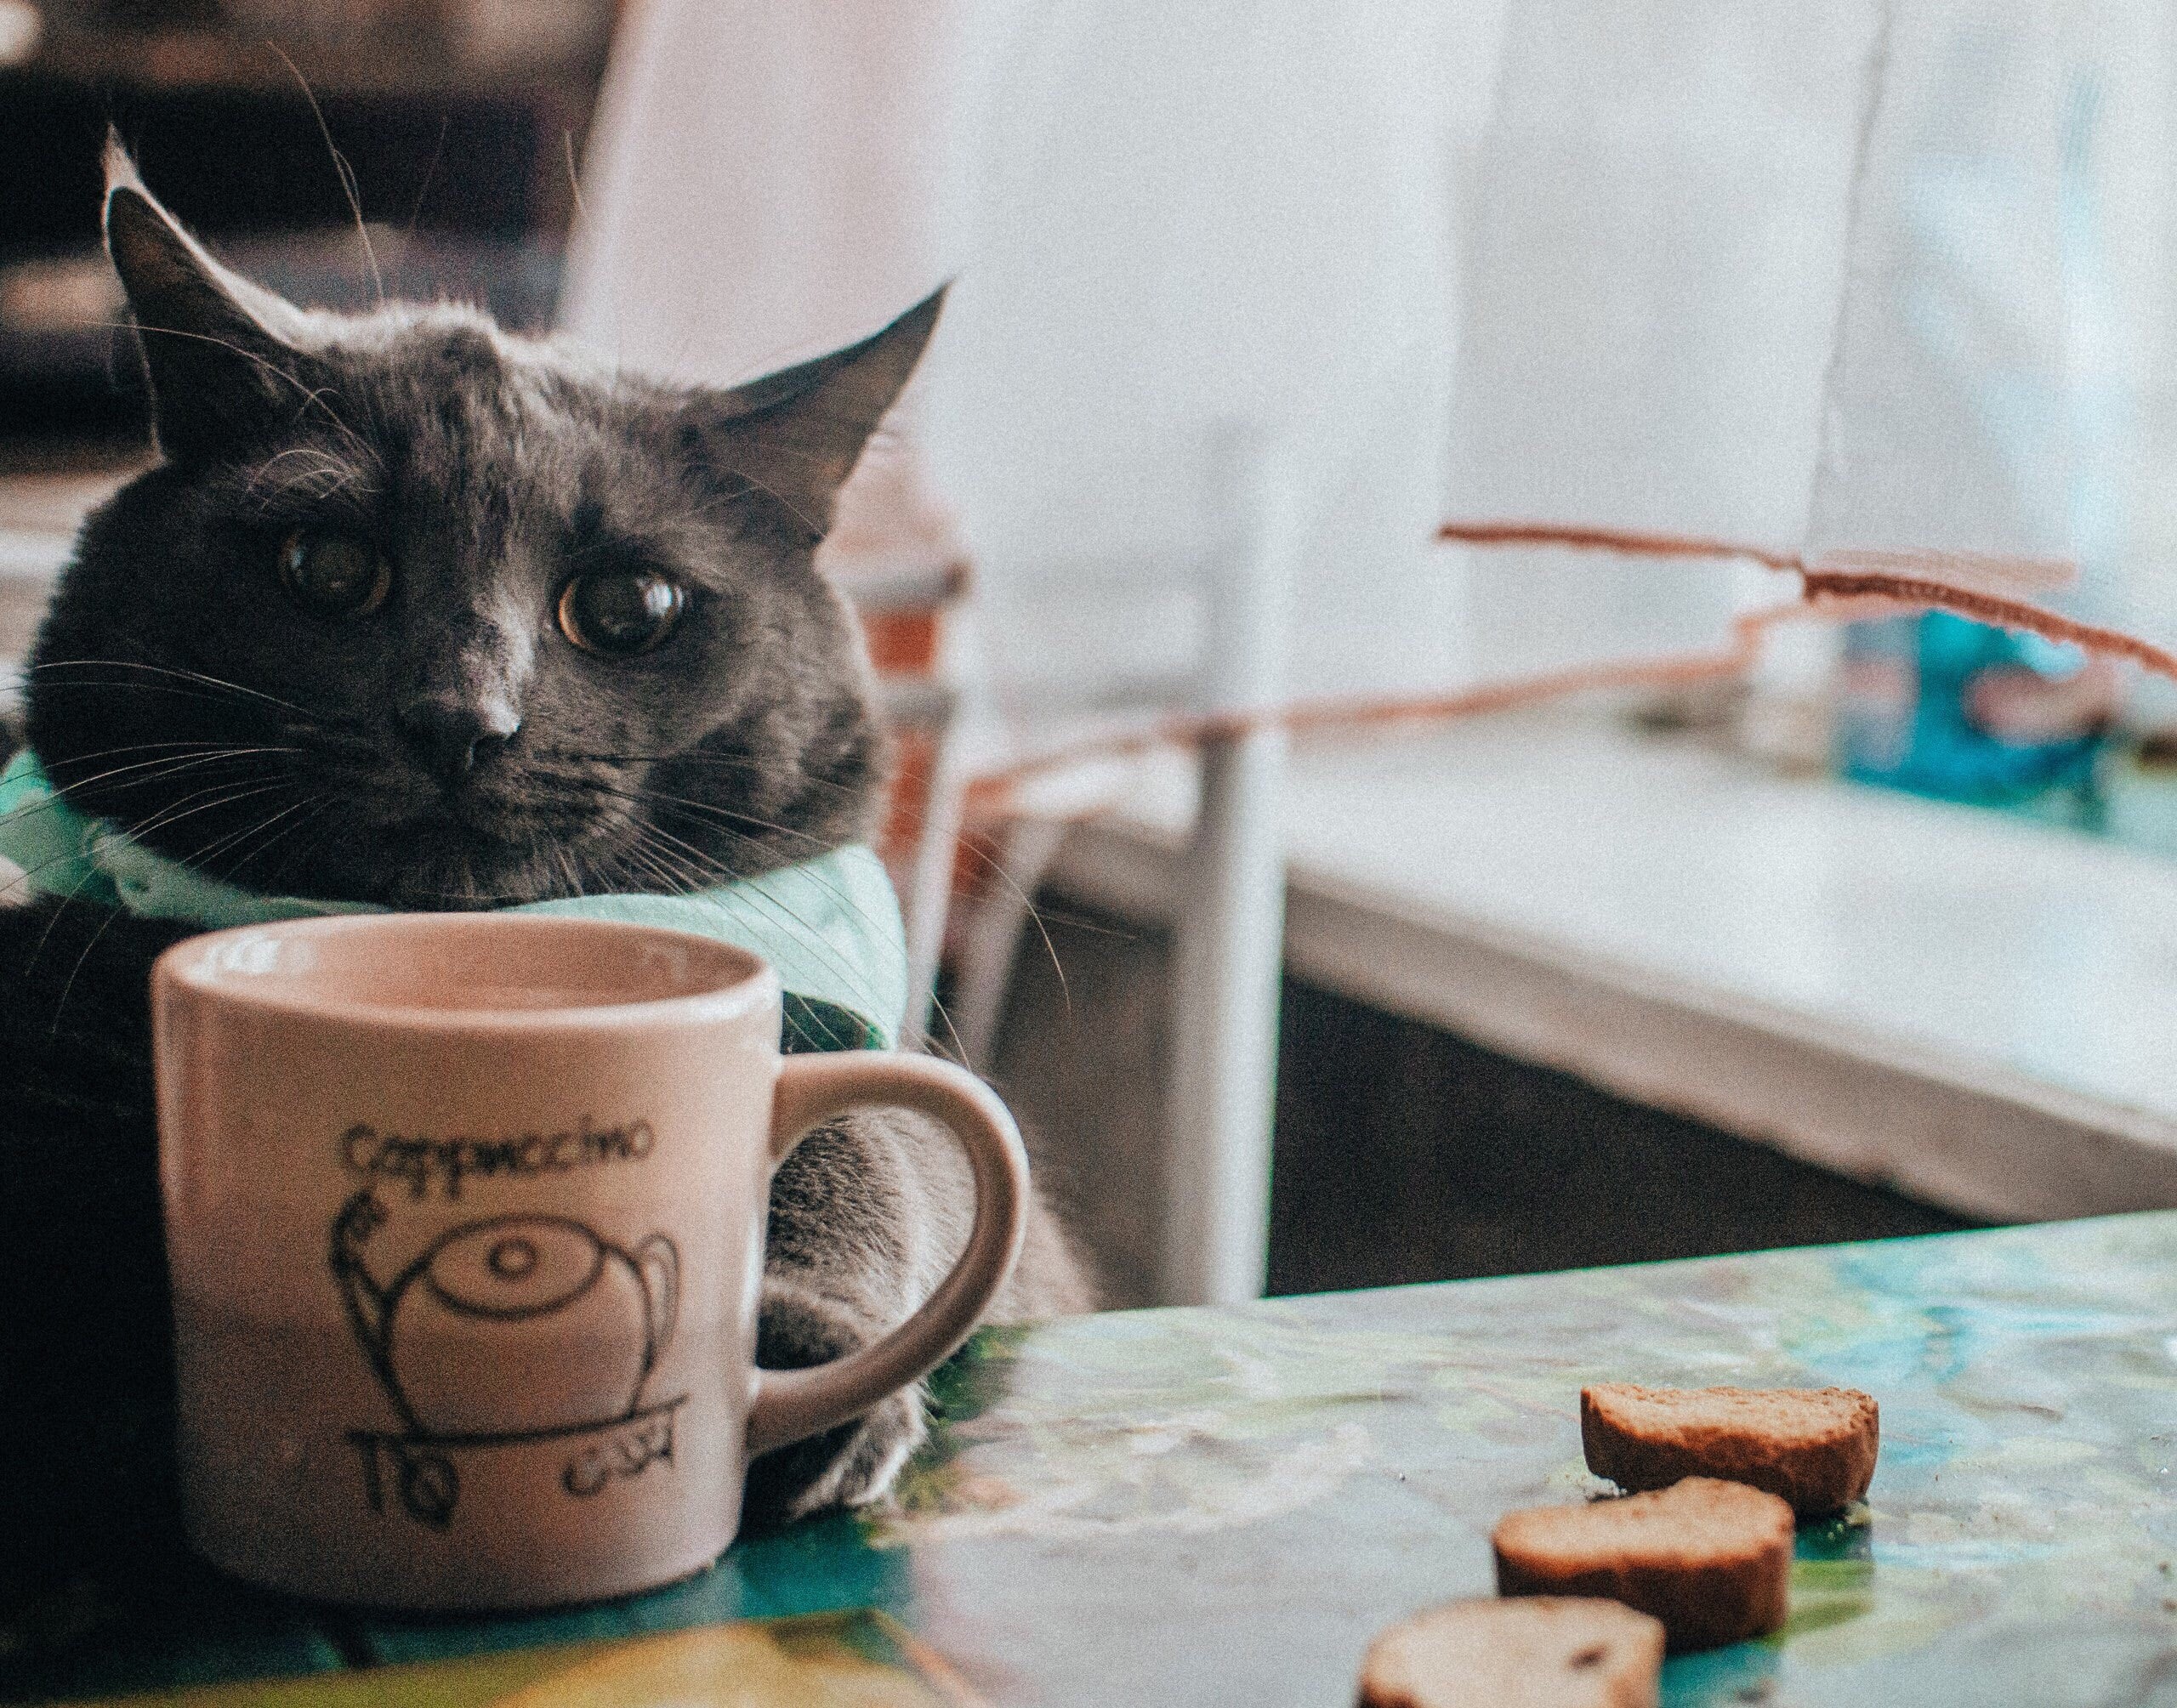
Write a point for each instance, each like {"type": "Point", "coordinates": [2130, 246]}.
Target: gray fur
{"type": "Point", "coordinates": [451, 748]}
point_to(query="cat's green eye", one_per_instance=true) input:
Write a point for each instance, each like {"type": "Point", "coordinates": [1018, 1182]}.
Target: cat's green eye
{"type": "Point", "coordinates": [620, 613]}
{"type": "Point", "coordinates": [333, 575]}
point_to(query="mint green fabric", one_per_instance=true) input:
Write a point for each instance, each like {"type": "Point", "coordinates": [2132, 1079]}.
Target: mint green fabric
{"type": "Point", "coordinates": [830, 926]}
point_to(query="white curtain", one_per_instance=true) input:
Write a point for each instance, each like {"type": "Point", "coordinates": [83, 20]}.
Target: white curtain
{"type": "Point", "coordinates": [1847, 282]}
{"type": "Point", "coordinates": [764, 180]}
{"type": "Point", "coordinates": [1164, 223]}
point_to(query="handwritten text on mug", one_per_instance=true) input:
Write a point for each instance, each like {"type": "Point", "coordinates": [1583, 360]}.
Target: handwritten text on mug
{"type": "Point", "coordinates": [419, 1162]}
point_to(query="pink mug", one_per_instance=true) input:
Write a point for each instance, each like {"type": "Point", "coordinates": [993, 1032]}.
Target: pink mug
{"type": "Point", "coordinates": [465, 1218]}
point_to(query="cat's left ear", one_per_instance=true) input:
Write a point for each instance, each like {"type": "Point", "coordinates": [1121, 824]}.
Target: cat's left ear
{"type": "Point", "coordinates": [798, 433]}
{"type": "Point", "coordinates": [212, 351]}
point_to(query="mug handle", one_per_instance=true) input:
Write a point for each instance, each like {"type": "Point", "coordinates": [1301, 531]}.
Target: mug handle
{"type": "Point", "coordinates": [792, 1404]}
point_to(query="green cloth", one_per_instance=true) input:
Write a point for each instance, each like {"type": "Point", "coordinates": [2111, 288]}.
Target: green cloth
{"type": "Point", "coordinates": [830, 926]}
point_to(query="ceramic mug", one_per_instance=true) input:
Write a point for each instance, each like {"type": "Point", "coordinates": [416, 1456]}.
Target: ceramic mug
{"type": "Point", "coordinates": [465, 1218]}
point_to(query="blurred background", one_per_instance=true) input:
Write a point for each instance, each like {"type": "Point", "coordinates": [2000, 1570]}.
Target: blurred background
{"type": "Point", "coordinates": [1839, 929]}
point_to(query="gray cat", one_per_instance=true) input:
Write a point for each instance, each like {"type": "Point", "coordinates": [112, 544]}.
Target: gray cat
{"type": "Point", "coordinates": [418, 613]}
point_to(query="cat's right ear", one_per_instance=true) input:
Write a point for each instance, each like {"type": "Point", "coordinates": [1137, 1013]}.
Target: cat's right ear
{"type": "Point", "coordinates": [796, 434]}
{"type": "Point", "coordinates": [215, 365]}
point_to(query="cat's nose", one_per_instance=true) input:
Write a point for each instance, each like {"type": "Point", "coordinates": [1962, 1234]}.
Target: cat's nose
{"type": "Point", "coordinates": [451, 737]}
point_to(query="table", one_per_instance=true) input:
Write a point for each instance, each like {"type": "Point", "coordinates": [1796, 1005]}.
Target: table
{"type": "Point", "coordinates": [1218, 1506]}
{"type": "Point", "coordinates": [1956, 1002]}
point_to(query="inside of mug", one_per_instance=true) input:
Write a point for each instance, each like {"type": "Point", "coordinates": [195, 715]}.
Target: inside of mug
{"type": "Point", "coordinates": [472, 964]}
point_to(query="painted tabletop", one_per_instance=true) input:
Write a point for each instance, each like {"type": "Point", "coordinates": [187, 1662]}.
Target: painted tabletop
{"type": "Point", "coordinates": [1219, 1507]}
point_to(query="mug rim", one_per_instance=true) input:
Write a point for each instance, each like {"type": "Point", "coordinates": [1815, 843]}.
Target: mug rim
{"type": "Point", "coordinates": [745, 979]}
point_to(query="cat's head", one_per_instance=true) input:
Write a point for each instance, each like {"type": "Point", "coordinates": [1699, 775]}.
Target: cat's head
{"type": "Point", "coordinates": [417, 612]}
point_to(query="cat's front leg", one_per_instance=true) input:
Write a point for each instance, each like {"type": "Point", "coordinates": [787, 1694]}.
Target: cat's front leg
{"type": "Point", "coordinates": [867, 1215]}
{"type": "Point", "coordinates": [850, 1465]}
{"type": "Point", "coordinates": [860, 1229]}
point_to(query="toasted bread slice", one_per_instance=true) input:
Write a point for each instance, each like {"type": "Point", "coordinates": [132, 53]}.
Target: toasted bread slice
{"type": "Point", "coordinates": [1538, 1652]}
{"type": "Point", "coordinates": [1814, 1446]}
{"type": "Point", "coordinates": [1711, 1560]}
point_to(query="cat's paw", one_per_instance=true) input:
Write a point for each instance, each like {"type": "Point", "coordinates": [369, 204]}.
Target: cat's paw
{"type": "Point", "coordinates": [854, 1465]}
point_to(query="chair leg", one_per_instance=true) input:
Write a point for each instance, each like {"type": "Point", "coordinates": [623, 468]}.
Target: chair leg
{"type": "Point", "coordinates": [1230, 937]}
{"type": "Point", "coordinates": [983, 968]}
{"type": "Point", "coordinates": [928, 899]}
{"type": "Point", "coordinates": [1228, 955]}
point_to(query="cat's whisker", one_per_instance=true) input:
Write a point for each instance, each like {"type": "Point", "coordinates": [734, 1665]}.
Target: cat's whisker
{"type": "Point", "coordinates": [313, 397]}
{"type": "Point", "coordinates": [324, 801]}
{"type": "Point", "coordinates": [68, 985]}
{"type": "Point", "coordinates": [701, 862]}
{"type": "Point", "coordinates": [107, 685]}
{"type": "Point", "coordinates": [750, 484]}
{"type": "Point", "coordinates": [329, 474]}
{"type": "Point", "coordinates": [202, 677]}
{"type": "Point", "coordinates": [989, 863]}
{"type": "Point", "coordinates": [92, 873]}
{"type": "Point", "coordinates": [169, 814]}
{"type": "Point", "coordinates": [713, 818]}
{"type": "Point", "coordinates": [271, 368]}
{"type": "Point", "coordinates": [29, 888]}
{"type": "Point", "coordinates": [574, 869]}
{"type": "Point", "coordinates": [705, 820]}
{"type": "Point", "coordinates": [198, 858]}
{"type": "Point", "coordinates": [543, 859]}
{"type": "Point", "coordinates": [326, 459]}
{"type": "Point", "coordinates": [344, 744]}
{"type": "Point", "coordinates": [722, 819]}
{"type": "Point", "coordinates": [202, 858]}
{"type": "Point", "coordinates": [67, 791]}
{"type": "Point", "coordinates": [345, 172]}
{"type": "Point", "coordinates": [135, 747]}
{"type": "Point", "coordinates": [300, 857]}
{"type": "Point", "coordinates": [61, 802]}
{"type": "Point", "coordinates": [695, 879]}
{"type": "Point", "coordinates": [326, 729]}
{"type": "Point", "coordinates": [639, 858]}
{"type": "Point", "coordinates": [160, 769]}
{"type": "Point", "coordinates": [623, 868]}
{"type": "Point", "coordinates": [721, 762]}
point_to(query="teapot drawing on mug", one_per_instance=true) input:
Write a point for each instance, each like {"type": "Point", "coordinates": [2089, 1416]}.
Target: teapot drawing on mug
{"type": "Point", "coordinates": [511, 1333]}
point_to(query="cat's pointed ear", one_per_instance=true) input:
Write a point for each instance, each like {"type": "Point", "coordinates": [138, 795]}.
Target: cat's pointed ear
{"type": "Point", "coordinates": [798, 433]}
{"type": "Point", "coordinates": [213, 353]}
